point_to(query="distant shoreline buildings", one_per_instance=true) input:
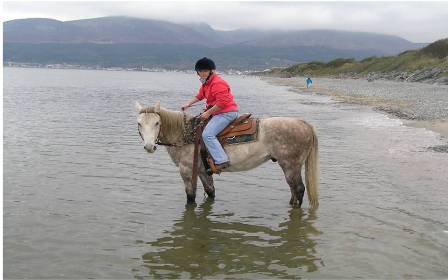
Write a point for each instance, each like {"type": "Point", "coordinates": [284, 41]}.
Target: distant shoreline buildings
{"type": "Point", "coordinates": [114, 68]}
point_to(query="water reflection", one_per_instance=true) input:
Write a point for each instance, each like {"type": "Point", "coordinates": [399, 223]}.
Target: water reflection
{"type": "Point", "coordinates": [201, 246]}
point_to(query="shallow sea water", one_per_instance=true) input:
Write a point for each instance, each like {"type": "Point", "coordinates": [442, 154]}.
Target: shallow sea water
{"type": "Point", "coordinates": [82, 199]}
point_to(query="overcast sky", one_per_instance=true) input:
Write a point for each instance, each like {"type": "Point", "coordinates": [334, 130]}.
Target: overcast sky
{"type": "Point", "coordinates": [414, 21]}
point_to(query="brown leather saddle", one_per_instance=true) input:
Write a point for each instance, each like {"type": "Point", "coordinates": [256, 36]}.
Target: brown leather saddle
{"type": "Point", "coordinates": [243, 125]}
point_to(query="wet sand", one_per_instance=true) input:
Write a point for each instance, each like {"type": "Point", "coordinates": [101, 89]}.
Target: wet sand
{"type": "Point", "coordinates": [439, 126]}
{"type": "Point", "coordinates": [395, 106]}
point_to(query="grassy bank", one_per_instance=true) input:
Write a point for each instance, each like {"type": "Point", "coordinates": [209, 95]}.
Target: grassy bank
{"type": "Point", "coordinates": [405, 65]}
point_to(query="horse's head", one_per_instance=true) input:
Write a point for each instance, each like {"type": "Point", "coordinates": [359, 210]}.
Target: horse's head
{"type": "Point", "coordinates": [149, 124]}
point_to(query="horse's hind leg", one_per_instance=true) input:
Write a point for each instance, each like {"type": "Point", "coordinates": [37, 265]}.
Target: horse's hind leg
{"type": "Point", "coordinates": [294, 179]}
{"type": "Point", "coordinates": [301, 189]}
{"type": "Point", "coordinates": [207, 182]}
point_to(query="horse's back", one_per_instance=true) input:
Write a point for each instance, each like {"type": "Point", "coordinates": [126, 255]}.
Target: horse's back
{"type": "Point", "coordinates": [283, 128]}
{"type": "Point", "coordinates": [286, 135]}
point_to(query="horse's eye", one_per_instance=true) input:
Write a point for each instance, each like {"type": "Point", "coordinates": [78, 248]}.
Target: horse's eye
{"type": "Point", "coordinates": [157, 123]}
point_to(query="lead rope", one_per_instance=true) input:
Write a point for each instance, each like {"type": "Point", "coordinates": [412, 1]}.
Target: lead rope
{"type": "Point", "coordinates": [197, 144]}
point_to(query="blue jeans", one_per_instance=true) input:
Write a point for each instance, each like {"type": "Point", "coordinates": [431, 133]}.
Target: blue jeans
{"type": "Point", "coordinates": [213, 128]}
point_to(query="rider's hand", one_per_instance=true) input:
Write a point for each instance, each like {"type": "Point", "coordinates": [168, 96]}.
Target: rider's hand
{"type": "Point", "coordinates": [205, 115]}
{"type": "Point", "coordinates": [185, 106]}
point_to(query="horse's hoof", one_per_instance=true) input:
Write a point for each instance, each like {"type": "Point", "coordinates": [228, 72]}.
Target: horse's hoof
{"type": "Point", "coordinates": [191, 203]}
{"type": "Point", "coordinates": [294, 203]}
{"type": "Point", "coordinates": [190, 206]}
{"type": "Point", "coordinates": [191, 198]}
{"type": "Point", "coordinates": [211, 194]}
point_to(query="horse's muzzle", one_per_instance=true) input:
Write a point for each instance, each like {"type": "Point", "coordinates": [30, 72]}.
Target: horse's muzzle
{"type": "Point", "coordinates": [150, 148]}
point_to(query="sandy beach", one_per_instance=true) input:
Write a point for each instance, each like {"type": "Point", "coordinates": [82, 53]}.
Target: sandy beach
{"type": "Point", "coordinates": [418, 105]}
{"type": "Point", "coordinates": [440, 126]}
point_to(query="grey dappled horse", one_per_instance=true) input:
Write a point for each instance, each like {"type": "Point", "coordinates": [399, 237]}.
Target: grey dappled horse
{"type": "Point", "coordinates": [290, 141]}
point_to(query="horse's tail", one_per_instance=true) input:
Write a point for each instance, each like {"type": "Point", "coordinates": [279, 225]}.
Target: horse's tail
{"type": "Point", "coordinates": [312, 172]}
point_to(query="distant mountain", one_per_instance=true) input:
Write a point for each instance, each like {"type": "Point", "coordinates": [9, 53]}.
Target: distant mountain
{"type": "Point", "coordinates": [345, 40]}
{"type": "Point", "coordinates": [106, 30]}
{"type": "Point", "coordinates": [125, 41]}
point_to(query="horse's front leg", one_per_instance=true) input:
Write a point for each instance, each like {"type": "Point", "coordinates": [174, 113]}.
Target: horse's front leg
{"type": "Point", "coordinates": [207, 182]}
{"type": "Point", "coordinates": [186, 171]}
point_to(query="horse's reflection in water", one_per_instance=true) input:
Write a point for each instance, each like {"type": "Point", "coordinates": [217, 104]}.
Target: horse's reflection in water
{"type": "Point", "coordinates": [199, 246]}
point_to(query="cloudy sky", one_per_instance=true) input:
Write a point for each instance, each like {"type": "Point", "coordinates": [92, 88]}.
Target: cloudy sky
{"type": "Point", "coordinates": [414, 21]}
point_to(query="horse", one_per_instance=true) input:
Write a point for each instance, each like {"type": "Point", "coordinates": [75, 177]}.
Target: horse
{"type": "Point", "coordinates": [290, 141]}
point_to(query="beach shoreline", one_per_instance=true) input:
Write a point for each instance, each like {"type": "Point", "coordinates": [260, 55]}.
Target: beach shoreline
{"type": "Point", "coordinates": [394, 106]}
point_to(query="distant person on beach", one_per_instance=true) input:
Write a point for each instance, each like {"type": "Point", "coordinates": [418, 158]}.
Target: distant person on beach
{"type": "Point", "coordinates": [309, 82]}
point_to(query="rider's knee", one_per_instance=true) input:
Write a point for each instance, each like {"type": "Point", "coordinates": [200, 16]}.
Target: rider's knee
{"type": "Point", "coordinates": [207, 135]}
{"type": "Point", "coordinates": [204, 134]}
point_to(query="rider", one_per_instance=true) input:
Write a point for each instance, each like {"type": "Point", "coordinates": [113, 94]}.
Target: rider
{"type": "Point", "coordinates": [220, 105]}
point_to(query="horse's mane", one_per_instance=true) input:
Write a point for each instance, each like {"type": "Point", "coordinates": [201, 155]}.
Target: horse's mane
{"type": "Point", "coordinates": [172, 123]}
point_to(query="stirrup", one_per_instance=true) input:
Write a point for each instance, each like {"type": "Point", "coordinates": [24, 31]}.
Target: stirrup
{"type": "Point", "coordinates": [213, 168]}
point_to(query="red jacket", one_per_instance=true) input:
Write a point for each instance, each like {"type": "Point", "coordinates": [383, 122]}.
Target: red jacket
{"type": "Point", "coordinates": [217, 92]}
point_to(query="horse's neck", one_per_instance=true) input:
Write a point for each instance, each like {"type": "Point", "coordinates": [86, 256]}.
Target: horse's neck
{"type": "Point", "coordinates": [174, 153]}
{"type": "Point", "coordinates": [172, 137]}
{"type": "Point", "coordinates": [173, 134]}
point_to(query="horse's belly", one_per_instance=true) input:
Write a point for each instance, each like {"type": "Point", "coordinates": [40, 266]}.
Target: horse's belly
{"type": "Point", "coordinates": [244, 157]}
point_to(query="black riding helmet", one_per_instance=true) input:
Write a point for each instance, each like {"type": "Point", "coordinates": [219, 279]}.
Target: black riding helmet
{"type": "Point", "coordinates": [204, 64]}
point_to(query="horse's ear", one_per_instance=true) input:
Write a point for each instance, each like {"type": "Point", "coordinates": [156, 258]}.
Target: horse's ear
{"type": "Point", "coordinates": [157, 107]}
{"type": "Point", "coordinates": [138, 107]}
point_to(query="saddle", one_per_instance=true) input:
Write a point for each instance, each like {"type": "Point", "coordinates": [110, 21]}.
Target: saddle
{"type": "Point", "coordinates": [243, 125]}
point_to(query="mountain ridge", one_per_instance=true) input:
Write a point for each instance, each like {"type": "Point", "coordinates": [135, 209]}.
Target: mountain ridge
{"type": "Point", "coordinates": [139, 30]}
{"type": "Point", "coordinates": [28, 40]}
